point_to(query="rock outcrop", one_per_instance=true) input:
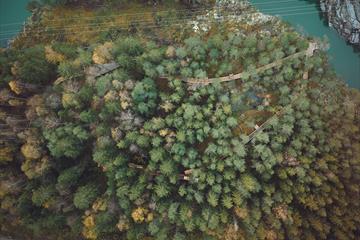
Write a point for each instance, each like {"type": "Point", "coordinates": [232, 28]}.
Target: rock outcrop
{"type": "Point", "coordinates": [344, 16]}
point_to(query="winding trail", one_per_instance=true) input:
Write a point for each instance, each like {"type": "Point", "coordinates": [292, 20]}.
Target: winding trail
{"type": "Point", "coordinates": [277, 114]}
{"type": "Point", "coordinates": [309, 52]}
{"type": "Point", "coordinates": [196, 82]}
{"type": "Point", "coordinates": [205, 81]}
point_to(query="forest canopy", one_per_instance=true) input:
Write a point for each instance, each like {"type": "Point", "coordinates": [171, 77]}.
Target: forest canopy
{"type": "Point", "coordinates": [134, 136]}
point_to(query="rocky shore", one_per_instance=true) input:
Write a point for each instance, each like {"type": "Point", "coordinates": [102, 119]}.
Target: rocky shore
{"type": "Point", "coordinates": [344, 16]}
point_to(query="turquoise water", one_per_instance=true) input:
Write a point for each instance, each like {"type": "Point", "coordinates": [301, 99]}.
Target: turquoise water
{"type": "Point", "coordinates": [304, 16]}
{"type": "Point", "coordinates": [13, 13]}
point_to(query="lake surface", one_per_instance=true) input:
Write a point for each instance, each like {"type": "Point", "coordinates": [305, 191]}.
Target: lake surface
{"type": "Point", "coordinates": [302, 14]}
{"type": "Point", "coordinates": [305, 16]}
{"type": "Point", "coordinates": [13, 14]}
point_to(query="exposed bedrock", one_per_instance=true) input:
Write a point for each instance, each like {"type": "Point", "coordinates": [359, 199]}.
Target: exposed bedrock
{"type": "Point", "coordinates": [344, 16]}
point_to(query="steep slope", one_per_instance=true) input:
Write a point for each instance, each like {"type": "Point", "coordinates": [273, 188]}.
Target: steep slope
{"type": "Point", "coordinates": [344, 16]}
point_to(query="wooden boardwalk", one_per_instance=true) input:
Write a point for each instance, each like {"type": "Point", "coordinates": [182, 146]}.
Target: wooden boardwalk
{"type": "Point", "coordinates": [309, 52]}
{"type": "Point", "coordinates": [98, 70]}
{"type": "Point", "coordinates": [205, 81]}
{"type": "Point", "coordinates": [267, 122]}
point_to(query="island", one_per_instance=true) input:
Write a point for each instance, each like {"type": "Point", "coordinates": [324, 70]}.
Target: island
{"type": "Point", "coordinates": [186, 119]}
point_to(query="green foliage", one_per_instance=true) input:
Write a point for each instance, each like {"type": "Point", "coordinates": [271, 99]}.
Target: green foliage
{"type": "Point", "coordinates": [144, 96]}
{"type": "Point", "coordinates": [213, 199]}
{"type": "Point", "coordinates": [85, 196]}
{"type": "Point", "coordinates": [137, 154]}
{"type": "Point", "coordinates": [32, 67]}
{"type": "Point", "coordinates": [88, 116]}
{"type": "Point", "coordinates": [161, 190]}
{"type": "Point", "coordinates": [68, 50]}
{"type": "Point", "coordinates": [128, 46]}
{"type": "Point", "coordinates": [103, 84]}
{"type": "Point", "coordinates": [69, 70]}
{"type": "Point", "coordinates": [66, 141]}
{"type": "Point", "coordinates": [105, 223]}
{"type": "Point", "coordinates": [249, 183]}
{"type": "Point", "coordinates": [69, 177]}
{"type": "Point", "coordinates": [43, 194]}
{"type": "Point", "coordinates": [5, 67]}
